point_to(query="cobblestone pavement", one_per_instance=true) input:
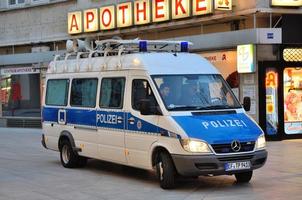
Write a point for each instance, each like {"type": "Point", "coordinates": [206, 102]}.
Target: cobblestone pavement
{"type": "Point", "coordinates": [29, 172]}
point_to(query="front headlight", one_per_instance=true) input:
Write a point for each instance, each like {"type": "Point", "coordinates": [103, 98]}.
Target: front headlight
{"type": "Point", "coordinates": [195, 146]}
{"type": "Point", "coordinates": [260, 143]}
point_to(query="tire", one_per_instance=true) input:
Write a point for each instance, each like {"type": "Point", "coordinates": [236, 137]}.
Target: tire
{"type": "Point", "coordinates": [69, 159]}
{"type": "Point", "coordinates": [244, 177]}
{"type": "Point", "coordinates": [165, 170]}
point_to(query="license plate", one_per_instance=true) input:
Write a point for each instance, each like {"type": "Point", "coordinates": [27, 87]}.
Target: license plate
{"type": "Point", "coordinates": [237, 166]}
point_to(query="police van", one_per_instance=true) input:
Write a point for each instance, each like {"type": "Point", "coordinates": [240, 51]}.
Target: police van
{"type": "Point", "coordinates": [149, 105]}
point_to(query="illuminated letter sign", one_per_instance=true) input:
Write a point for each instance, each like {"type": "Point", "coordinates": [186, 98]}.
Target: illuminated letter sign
{"type": "Point", "coordinates": [223, 4]}
{"type": "Point", "coordinates": [292, 3]}
{"type": "Point", "coordinates": [141, 12]}
{"type": "Point", "coordinates": [91, 21]}
{"type": "Point", "coordinates": [107, 18]}
{"type": "Point", "coordinates": [202, 7]}
{"type": "Point", "coordinates": [124, 14]}
{"type": "Point", "coordinates": [160, 10]}
{"type": "Point", "coordinates": [75, 22]}
{"type": "Point", "coordinates": [271, 79]}
{"type": "Point", "coordinates": [246, 58]}
{"type": "Point", "coordinates": [180, 9]}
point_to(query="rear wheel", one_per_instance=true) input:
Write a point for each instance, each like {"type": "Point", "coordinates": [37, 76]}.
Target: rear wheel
{"type": "Point", "coordinates": [69, 158]}
{"type": "Point", "coordinates": [165, 171]}
{"type": "Point", "coordinates": [244, 177]}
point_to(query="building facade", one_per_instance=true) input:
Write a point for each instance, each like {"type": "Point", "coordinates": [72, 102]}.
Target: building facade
{"type": "Point", "coordinates": [256, 45]}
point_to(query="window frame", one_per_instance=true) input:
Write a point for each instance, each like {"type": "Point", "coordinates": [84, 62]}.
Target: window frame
{"type": "Point", "coordinates": [122, 96]}
{"type": "Point", "coordinates": [17, 4]}
{"type": "Point", "coordinates": [148, 84]}
{"type": "Point", "coordinates": [66, 94]}
{"type": "Point", "coordinates": [34, 2]}
{"type": "Point", "coordinates": [79, 106]}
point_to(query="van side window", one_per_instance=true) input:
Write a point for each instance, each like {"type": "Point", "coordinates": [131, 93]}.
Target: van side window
{"type": "Point", "coordinates": [83, 92]}
{"type": "Point", "coordinates": [57, 92]}
{"type": "Point", "coordinates": [141, 90]}
{"type": "Point", "coordinates": [112, 92]}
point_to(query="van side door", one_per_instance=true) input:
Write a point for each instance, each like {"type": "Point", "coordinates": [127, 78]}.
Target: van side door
{"type": "Point", "coordinates": [142, 130]}
{"type": "Point", "coordinates": [82, 114]}
{"type": "Point", "coordinates": [111, 120]}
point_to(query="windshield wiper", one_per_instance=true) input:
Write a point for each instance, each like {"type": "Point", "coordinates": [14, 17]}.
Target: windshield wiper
{"type": "Point", "coordinates": [219, 107]}
{"type": "Point", "coordinates": [180, 108]}
{"type": "Point", "coordinates": [186, 108]}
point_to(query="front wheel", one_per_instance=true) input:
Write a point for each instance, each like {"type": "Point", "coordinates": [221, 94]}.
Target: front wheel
{"type": "Point", "coordinates": [244, 177]}
{"type": "Point", "coordinates": [165, 171]}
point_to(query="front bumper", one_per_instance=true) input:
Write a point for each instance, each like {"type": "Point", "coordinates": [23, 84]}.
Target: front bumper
{"type": "Point", "coordinates": [191, 165]}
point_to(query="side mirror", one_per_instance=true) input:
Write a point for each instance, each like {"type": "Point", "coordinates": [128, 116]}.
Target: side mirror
{"type": "Point", "coordinates": [247, 103]}
{"type": "Point", "coordinates": [147, 109]}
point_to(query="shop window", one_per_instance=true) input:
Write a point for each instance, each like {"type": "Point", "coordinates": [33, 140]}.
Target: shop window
{"type": "Point", "coordinates": [20, 95]}
{"type": "Point", "coordinates": [112, 92]}
{"type": "Point", "coordinates": [57, 92]}
{"type": "Point", "coordinates": [5, 90]}
{"type": "Point", "coordinates": [293, 100]}
{"type": "Point", "coordinates": [83, 92]}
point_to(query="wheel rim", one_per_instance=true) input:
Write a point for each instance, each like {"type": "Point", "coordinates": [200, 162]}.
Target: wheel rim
{"type": "Point", "coordinates": [161, 170]}
{"type": "Point", "coordinates": [65, 154]}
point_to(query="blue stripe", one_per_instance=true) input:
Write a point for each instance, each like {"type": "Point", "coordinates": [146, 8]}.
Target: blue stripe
{"type": "Point", "coordinates": [103, 119]}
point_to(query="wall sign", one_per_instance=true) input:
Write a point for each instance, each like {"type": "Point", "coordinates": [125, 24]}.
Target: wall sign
{"type": "Point", "coordinates": [246, 58]}
{"type": "Point", "coordinates": [136, 12]}
{"type": "Point", "coordinates": [293, 3]}
{"type": "Point", "coordinates": [141, 12]}
{"type": "Point", "coordinates": [223, 4]}
{"type": "Point", "coordinates": [91, 22]}
{"type": "Point", "coordinates": [18, 70]}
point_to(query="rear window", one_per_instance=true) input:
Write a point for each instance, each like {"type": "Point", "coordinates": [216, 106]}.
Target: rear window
{"type": "Point", "coordinates": [83, 92]}
{"type": "Point", "coordinates": [57, 92]}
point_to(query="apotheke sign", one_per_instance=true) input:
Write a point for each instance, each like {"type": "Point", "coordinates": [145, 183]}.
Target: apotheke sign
{"type": "Point", "coordinates": [138, 12]}
{"type": "Point", "coordinates": [292, 3]}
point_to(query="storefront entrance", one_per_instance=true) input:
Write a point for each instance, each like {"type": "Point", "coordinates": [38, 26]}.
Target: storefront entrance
{"type": "Point", "coordinates": [20, 92]}
{"type": "Point", "coordinates": [280, 99]}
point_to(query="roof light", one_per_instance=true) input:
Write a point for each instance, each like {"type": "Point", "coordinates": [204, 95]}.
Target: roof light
{"type": "Point", "coordinates": [143, 46]}
{"type": "Point", "coordinates": [184, 46]}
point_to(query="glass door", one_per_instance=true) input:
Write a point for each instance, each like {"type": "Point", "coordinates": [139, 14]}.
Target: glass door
{"type": "Point", "coordinates": [292, 89]}
{"type": "Point", "coordinates": [271, 98]}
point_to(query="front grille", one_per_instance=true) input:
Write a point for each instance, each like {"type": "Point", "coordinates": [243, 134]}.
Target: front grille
{"type": "Point", "coordinates": [226, 148]}
{"type": "Point", "coordinates": [206, 166]}
{"type": "Point", "coordinates": [235, 158]}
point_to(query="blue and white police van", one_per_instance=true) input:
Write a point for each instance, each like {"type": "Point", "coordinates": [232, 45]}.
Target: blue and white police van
{"type": "Point", "coordinates": [150, 105]}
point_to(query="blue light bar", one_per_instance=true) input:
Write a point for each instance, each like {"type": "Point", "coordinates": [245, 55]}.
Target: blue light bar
{"type": "Point", "coordinates": [142, 46]}
{"type": "Point", "coordinates": [184, 47]}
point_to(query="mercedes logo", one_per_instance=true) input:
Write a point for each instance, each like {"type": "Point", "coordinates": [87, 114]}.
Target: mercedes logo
{"type": "Point", "coordinates": [236, 146]}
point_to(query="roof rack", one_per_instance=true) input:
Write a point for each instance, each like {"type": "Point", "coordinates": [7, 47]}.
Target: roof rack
{"type": "Point", "coordinates": [117, 47]}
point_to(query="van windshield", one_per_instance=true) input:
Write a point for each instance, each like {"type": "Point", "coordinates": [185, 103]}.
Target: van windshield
{"type": "Point", "coordinates": [195, 92]}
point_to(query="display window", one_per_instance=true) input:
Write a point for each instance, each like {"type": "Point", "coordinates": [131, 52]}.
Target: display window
{"type": "Point", "coordinates": [5, 83]}
{"type": "Point", "coordinates": [20, 95]}
{"type": "Point", "coordinates": [292, 86]}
